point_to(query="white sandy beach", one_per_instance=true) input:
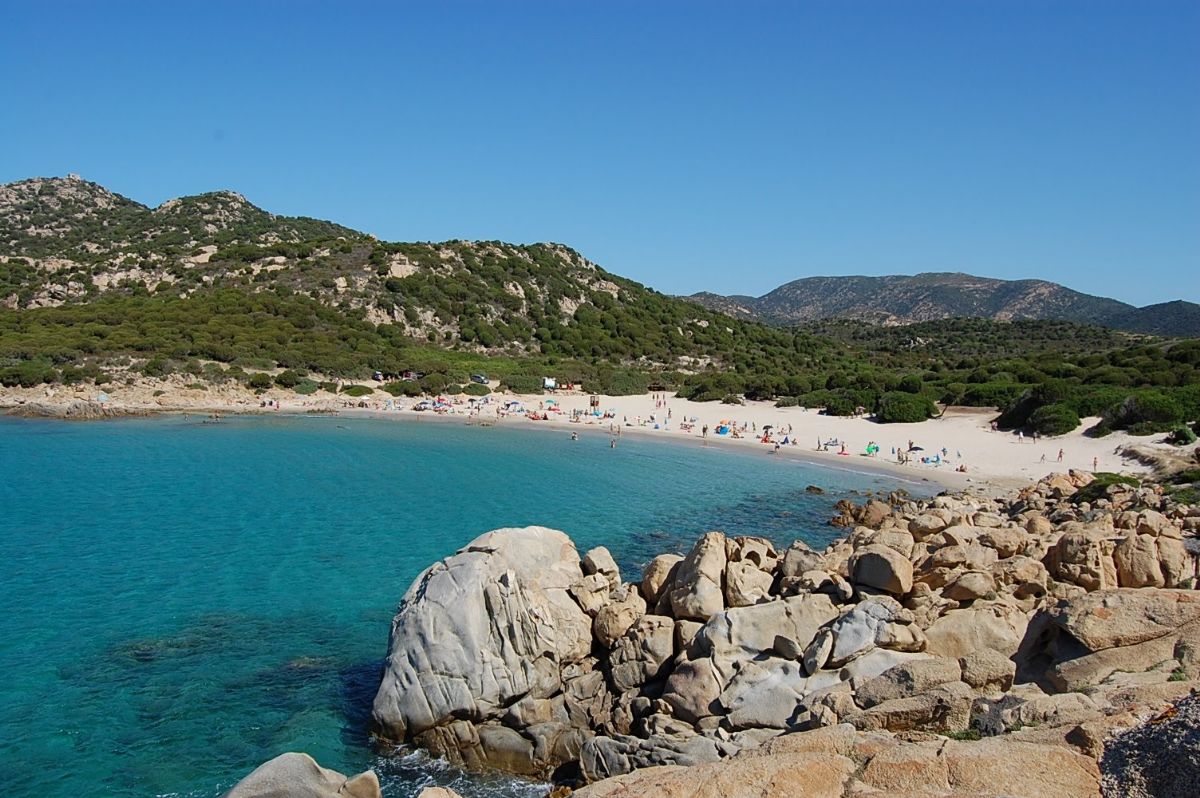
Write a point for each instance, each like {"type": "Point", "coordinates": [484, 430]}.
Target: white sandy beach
{"type": "Point", "coordinates": [961, 437]}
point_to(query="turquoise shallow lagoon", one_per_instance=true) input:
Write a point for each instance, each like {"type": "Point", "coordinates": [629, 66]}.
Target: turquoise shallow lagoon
{"type": "Point", "coordinates": [181, 601]}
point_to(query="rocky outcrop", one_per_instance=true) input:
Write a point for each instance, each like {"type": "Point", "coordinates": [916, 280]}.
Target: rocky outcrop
{"type": "Point", "coordinates": [76, 410]}
{"type": "Point", "coordinates": [838, 762]}
{"type": "Point", "coordinates": [1038, 620]}
{"type": "Point", "coordinates": [489, 627]}
{"type": "Point", "coordinates": [299, 776]}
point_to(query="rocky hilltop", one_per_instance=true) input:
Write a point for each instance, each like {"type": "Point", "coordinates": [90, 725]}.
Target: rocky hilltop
{"type": "Point", "coordinates": [68, 242]}
{"type": "Point", "coordinates": [902, 299]}
{"type": "Point", "coordinates": [958, 645]}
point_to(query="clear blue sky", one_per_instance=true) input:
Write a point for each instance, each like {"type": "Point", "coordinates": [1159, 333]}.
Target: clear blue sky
{"type": "Point", "coordinates": [721, 146]}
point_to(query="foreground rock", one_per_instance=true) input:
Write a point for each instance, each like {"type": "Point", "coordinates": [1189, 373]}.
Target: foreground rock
{"type": "Point", "coordinates": [1039, 622]}
{"type": "Point", "coordinates": [838, 762]}
{"type": "Point", "coordinates": [1157, 759]}
{"type": "Point", "coordinates": [492, 633]}
{"type": "Point", "coordinates": [299, 776]}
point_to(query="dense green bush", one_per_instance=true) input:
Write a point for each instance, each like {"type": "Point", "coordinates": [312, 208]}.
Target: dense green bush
{"type": "Point", "coordinates": [28, 373]}
{"type": "Point", "coordinates": [710, 387]}
{"type": "Point", "coordinates": [898, 407]}
{"type": "Point", "coordinates": [1053, 419]}
{"type": "Point", "coordinates": [519, 383]}
{"type": "Point", "coordinates": [357, 390]}
{"type": "Point", "coordinates": [1096, 489]}
{"type": "Point", "coordinates": [404, 388]}
{"type": "Point", "coordinates": [992, 394]}
{"type": "Point", "coordinates": [838, 404]}
{"type": "Point", "coordinates": [475, 389]}
{"type": "Point", "coordinates": [617, 382]}
{"type": "Point", "coordinates": [787, 401]}
{"type": "Point", "coordinates": [1182, 436]}
{"type": "Point", "coordinates": [157, 366]}
{"type": "Point", "coordinates": [288, 378]}
{"type": "Point", "coordinates": [260, 381]}
{"type": "Point", "coordinates": [1146, 412]}
{"type": "Point", "coordinates": [306, 387]}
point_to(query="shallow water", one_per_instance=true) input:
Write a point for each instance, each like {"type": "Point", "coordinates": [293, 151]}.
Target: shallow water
{"type": "Point", "coordinates": [181, 601]}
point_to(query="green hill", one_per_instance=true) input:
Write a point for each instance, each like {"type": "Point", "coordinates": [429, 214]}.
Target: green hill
{"type": "Point", "coordinates": [97, 287]}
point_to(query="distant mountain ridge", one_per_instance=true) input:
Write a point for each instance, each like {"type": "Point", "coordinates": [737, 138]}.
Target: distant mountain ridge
{"type": "Point", "coordinates": [929, 296]}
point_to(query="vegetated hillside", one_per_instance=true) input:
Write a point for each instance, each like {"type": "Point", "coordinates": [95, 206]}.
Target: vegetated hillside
{"type": "Point", "coordinates": [68, 244]}
{"type": "Point", "coordinates": [937, 295]}
{"type": "Point", "coordinates": [95, 287]}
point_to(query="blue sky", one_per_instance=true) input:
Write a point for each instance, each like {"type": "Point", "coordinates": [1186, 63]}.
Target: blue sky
{"type": "Point", "coordinates": [692, 146]}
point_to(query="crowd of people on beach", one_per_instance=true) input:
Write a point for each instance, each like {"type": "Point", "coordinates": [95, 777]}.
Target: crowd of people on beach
{"type": "Point", "coordinates": [778, 437]}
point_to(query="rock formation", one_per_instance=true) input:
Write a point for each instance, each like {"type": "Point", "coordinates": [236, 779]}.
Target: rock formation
{"type": "Point", "coordinates": [1040, 623]}
{"type": "Point", "coordinates": [299, 776]}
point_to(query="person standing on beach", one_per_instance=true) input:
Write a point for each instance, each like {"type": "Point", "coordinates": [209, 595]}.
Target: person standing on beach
{"type": "Point", "coordinates": [1095, 464]}
{"type": "Point", "coordinates": [1060, 455]}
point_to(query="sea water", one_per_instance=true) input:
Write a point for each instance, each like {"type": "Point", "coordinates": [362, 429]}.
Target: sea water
{"type": "Point", "coordinates": [181, 601]}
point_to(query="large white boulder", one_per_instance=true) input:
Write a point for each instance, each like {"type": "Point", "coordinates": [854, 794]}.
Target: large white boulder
{"type": "Point", "coordinates": [482, 628]}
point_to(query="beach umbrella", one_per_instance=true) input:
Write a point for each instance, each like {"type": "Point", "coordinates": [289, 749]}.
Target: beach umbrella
{"type": "Point", "coordinates": [917, 449]}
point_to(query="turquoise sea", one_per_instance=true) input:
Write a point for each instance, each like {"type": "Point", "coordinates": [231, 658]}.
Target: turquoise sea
{"type": "Point", "coordinates": [182, 601]}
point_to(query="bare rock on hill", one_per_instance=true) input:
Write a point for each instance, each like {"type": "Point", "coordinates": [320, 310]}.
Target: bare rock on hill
{"type": "Point", "coordinates": [480, 629]}
{"type": "Point", "coordinates": [296, 775]}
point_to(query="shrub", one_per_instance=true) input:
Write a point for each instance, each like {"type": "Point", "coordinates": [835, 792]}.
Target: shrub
{"type": "Point", "coordinates": [520, 383]}
{"type": "Point", "coordinates": [357, 390]}
{"type": "Point", "coordinates": [787, 401]}
{"type": "Point", "coordinates": [475, 389]}
{"type": "Point", "coordinates": [306, 387]}
{"type": "Point", "coordinates": [288, 378]}
{"type": "Point", "coordinates": [1054, 419]}
{"type": "Point", "coordinates": [613, 382]}
{"type": "Point", "coordinates": [156, 367]}
{"type": "Point", "coordinates": [838, 404]}
{"type": "Point", "coordinates": [435, 382]}
{"type": "Point", "coordinates": [260, 381]}
{"type": "Point", "coordinates": [404, 388]}
{"type": "Point", "coordinates": [1181, 436]}
{"type": "Point", "coordinates": [992, 394]}
{"type": "Point", "coordinates": [910, 384]}
{"type": "Point", "coordinates": [731, 399]}
{"type": "Point", "coordinates": [1146, 412]}
{"type": "Point", "coordinates": [899, 407]}
{"type": "Point", "coordinates": [1096, 489]}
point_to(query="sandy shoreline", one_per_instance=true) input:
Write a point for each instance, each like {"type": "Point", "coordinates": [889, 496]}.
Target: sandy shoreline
{"type": "Point", "coordinates": [963, 436]}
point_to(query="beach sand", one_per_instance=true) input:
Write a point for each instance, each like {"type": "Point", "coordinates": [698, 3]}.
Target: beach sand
{"type": "Point", "coordinates": [993, 459]}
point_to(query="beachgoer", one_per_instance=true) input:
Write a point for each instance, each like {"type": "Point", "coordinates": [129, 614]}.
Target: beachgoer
{"type": "Point", "coordinates": [1043, 457]}
{"type": "Point", "coordinates": [612, 443]}
{"type": "Point", "coordinates": [1060, 455]}
{"type": "Point", "coordinates": [1095, 464]}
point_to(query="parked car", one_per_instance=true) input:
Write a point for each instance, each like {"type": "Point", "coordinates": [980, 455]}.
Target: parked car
{"type": "Point", "coordinates": [479, 379]}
